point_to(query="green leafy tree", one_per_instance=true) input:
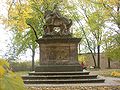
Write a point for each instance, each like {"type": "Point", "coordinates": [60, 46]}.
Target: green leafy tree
{"type": "Point", "coordinates": [95, 14]}
{"type": "Point", "coordinates": [112, 8]}
{"type": "Point", "coordinates": [92, 21]}
{"type": "Point", "coordinates": [26, 19]}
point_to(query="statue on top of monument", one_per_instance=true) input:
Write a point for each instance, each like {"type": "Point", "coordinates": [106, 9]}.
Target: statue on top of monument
{"type": "Point", "coordinates": [54, 20]}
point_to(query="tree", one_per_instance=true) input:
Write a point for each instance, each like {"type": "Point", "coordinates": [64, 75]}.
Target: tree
{"type": "Point", "coordinates": [27, 19]}
{"type": "Point", "coordinates": [24, 19]}
{"type": "Point", "coordinates": [112, 43]}
{"type": "Point", "coordinates": [24, 41]}
{"type": "Point", "coordinates": [89, 16]}
{"type": "Point", "coordinates": [79, 19]}
{"type": "Point", "coordinates": [96, 14]}
{"type": "Point", "coordinates": [92, 21]}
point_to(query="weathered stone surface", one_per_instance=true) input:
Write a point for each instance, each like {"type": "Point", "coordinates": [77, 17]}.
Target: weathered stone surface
{"type": "Point", "coordinates": [58, 68]}
{"type": "Point", "coordinates": [58, 54]}
{"type": "Point", "coordinates": [58, 51]}
{"type": "Point", "coordinates": [56, 23]}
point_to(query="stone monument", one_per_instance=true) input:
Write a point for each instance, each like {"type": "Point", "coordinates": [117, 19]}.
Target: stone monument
{"type": "Point", "coordinates": [58, 49]}
{"type": "Point", "coordinates": [58, 55]}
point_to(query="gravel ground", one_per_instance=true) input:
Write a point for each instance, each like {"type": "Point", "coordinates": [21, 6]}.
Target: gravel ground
{"type": "Point", "coordinates": [75, 88]}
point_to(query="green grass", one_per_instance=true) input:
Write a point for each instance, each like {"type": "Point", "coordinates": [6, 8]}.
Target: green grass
{"type": "Point", "coordinates": [104, 72]}
{"type": "Point", "coordinates": [22, 73]}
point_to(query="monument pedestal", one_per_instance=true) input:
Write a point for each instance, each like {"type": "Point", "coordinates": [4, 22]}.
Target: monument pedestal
{"type": "Point", "coordinates": [58, 54]}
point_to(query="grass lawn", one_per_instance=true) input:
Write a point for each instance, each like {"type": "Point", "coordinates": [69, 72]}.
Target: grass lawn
{"type": "Point", "coordinates": [104, 72]}
{"type": "Point", "coordinates": [22, 73]}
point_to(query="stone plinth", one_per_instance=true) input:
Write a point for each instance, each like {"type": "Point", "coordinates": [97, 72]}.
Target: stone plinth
{"type": "Point", "coordinates": [59, 53]}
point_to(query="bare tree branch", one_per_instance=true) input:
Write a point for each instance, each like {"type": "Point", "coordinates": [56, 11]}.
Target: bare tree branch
{"type": "Point", "coordinates": [33, 30]}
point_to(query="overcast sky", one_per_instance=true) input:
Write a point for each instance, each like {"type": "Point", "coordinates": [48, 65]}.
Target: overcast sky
{"type": "Point", "coordinates": [5, 36]}
{"type": "Point", "coordinates": [3, 33]}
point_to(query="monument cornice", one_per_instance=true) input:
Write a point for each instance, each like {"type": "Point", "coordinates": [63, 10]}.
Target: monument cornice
{"type": "Point", "coordinates": [58, 40]}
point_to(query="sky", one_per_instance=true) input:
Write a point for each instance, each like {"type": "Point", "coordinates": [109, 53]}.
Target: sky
{"type": "Point", "coordinates": [4, 40]}
{"type": "Point", "coordinates": [4, 35]}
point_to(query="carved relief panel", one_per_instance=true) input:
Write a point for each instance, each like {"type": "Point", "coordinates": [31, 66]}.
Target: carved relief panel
{"type": "Point", "coordinates": [57, 54]}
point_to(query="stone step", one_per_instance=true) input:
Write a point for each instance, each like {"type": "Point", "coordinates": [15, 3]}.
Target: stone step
{"type": "Point", "coordinates": [59, 68]}
{"type": "Point", "coordinates": [64, 81]}
{"type": "Point", "coordinates": [38, 77]}
{"type": "Point", "coordinates": [60, 73]}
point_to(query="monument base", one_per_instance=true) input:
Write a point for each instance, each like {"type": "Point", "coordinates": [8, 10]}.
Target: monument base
{"type": "Point", "coordinates": [58, 54]}
{"type": "Point", "coordinates": [58, 68]}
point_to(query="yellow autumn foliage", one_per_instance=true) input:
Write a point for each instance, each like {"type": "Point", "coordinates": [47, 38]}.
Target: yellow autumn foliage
{"type": "Point", "coordinates": [8, 79]}
{"type": "Point", "coordinates": [101, 1]}
{"type": "Point", "coordinates": [82, 58]}
{"type": "Point", "coordinates": [115, 74]}
{"type": "Point", "coordinates": [3, 62]}
{"type": "Point", "coordinates": [114, 2]}
{"type": "Point", "coordinates": [17, 16]}
{"type": "Point", "coordinates": [111, 2]}
{"type": "Point", "coordinates": [4, 65]}
{"type": "Point", "coordinates": [2, 71]}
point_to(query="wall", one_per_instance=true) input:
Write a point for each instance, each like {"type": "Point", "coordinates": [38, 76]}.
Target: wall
{"type": "Point", "coordinates": [103, 63]}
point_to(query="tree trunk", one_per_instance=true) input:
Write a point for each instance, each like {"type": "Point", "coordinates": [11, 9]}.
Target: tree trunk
{"type": "Point", "coordinates": [94, 60]}
{"type": "Point", "coordinates": [98, 56]}
{"type": "Point", "coordinates": [33, 60]}
{"type": "Point", "coordinates": [89, 48]}
{"type": "Point", "coordinates": [109, 64]}
{"type": "Point", "coordinates": [79, 48]}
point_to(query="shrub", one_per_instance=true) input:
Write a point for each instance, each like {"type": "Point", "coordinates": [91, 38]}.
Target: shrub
{"type": "Point", "coordinates": [82, 58]}
{"type": "Point", "coordinates": [8, 79]}
{"type": "Point", "coordinates": [20, 66]}
{"type": "Point", "coordinates": [115, 74]}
